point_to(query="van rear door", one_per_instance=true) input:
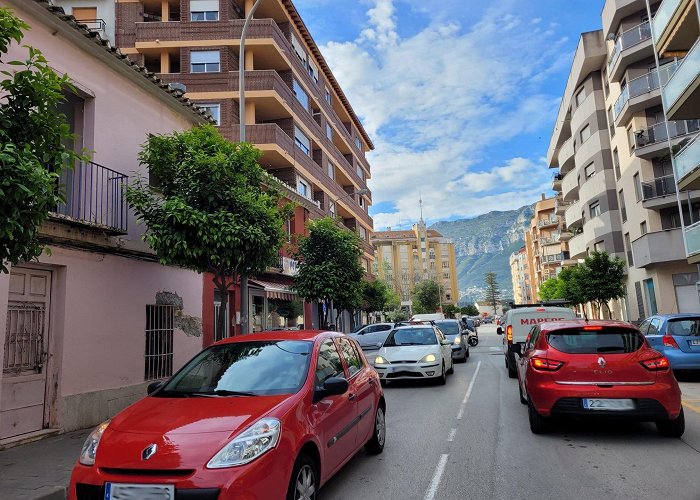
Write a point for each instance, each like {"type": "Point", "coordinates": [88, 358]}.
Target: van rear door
{"type": "Point", "coordinates": [524, 319]}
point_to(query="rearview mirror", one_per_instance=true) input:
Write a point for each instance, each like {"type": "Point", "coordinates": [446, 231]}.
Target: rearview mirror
{"type": "Point", "coordinates": [499, 330]}
{"type": "Point", "coordinates": [335, 386]}
{"type": "Point", "coordinates": [445, 342]}
{"type": "Point", "coordinates": [153, 387]}
{"type": "Point", "coordinates": [517, 349]}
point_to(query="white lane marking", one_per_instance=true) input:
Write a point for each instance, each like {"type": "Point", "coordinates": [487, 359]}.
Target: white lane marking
{"type": "Point", "coordinates": [469, 391]}
{"type": "Point", "coordinates": [437, 476]}
{"type": "Point", "coordinates": [451, 437]}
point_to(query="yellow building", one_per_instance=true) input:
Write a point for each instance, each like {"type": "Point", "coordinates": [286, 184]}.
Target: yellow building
{"type": "Point", "coordinates": [405, 258]}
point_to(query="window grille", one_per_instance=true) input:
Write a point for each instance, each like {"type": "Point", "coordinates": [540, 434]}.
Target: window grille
{"type": "Point", "coordinates": [159, 341]}
{"type": "Point", "coordinates": [24, 340]}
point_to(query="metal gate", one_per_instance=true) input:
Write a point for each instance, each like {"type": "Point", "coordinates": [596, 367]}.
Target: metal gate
{"type": "Point", "coordinates": [25, 351]}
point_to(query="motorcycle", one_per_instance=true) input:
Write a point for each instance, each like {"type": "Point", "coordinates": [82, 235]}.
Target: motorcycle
{"type": "Point", "coordinates": [473, 339]}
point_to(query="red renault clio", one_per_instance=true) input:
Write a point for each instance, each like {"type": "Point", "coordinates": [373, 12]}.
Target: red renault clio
{"type": "Point", "coordinates": [596, 368]}
{"type": "Point", "coordinates": [261, 417]}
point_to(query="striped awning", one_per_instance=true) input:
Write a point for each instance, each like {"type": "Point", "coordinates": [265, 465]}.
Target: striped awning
{"type": "Point", "coordinates": [275, 290]}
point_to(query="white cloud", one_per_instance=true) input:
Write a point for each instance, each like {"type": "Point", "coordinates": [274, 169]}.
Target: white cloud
{"type": "Point", "coordinates": [436, 101]}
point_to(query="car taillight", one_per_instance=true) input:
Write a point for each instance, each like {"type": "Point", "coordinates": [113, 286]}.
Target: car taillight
{"type": "Point", "coordinates": [669, 341]}
{"type": "Point", "coordinates": [547, 365]}
{"type": "Point", "coordinates": [509, 334]}
{"type": "Point", "coordinates": [655, 364]}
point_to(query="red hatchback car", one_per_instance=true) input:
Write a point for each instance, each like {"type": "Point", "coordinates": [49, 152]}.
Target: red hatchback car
{"type": "Point", "coordinates": [596, 368]}
{"type": "Point", "coordinates": [265, 416]}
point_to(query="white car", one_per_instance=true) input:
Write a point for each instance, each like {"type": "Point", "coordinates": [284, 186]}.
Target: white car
{"type": "Point", "coordinates": [415, 352]}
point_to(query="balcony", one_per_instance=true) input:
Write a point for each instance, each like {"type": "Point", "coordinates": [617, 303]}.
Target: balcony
{"type": "Point", "coordinates": [673, 23]}
{"type": "Point", "coordinates": [659, 193]}
{"type": "Point", "coordinates": [658, 248]}
{"type": "Point", "coordinates": [687, 165]}
{"type": "Point", "coordinates": [554, 259]}
{"type": "Point", "coordinates": [553, 239]}
{"type": "Point", "coordinates": [577, 247]}
{"type": "Point", "coordinates": [641, 93]}
{"type": "Point", "coordinates": [573, 217]}
{"type": "Point", "coordinates": [566, 156]}
{"type": "Point", "coordinates": [630, 47]}
{"type": "Point", "coordinates": [569, 186]}
{"type": "Point", "coordinates": [692, 242]}
{"type": "Point", "coordinates": [682, 92]}
{"type": "Point", "coordinates": [560, 206]}
{"type": "Point", "coordinates": [652, 142]}
{"type": "Point", "coordinates": [549, 221]}
{"type": "Point", "coordinates": [94, 197]}
{"type": "Point", "coordinates": [556, 181]}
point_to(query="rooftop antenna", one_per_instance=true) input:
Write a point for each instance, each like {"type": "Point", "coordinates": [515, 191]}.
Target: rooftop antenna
{"type": "Point", "coordinates": [420, 202]}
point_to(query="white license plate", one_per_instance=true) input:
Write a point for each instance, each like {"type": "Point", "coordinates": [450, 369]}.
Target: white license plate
{"type": "Point", "coordinates": [695, 342]}
{"type": "Point", "coordinates": [608, 404]}
{"type": "Point", "coordinates": [125, 491]}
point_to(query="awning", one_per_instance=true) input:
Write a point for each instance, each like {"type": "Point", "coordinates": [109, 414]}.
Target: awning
{"type": "Point", "coordinates": [274, 290]}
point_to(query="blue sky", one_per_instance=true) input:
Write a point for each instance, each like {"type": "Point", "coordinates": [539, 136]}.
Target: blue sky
{"type": "Point", "coordinates": [459, 96]}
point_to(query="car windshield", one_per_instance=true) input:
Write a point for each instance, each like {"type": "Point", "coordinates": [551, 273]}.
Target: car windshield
{"type": "Point", "coordinates": [684, 327]}
{"type": "Point", "coordinates": [612, 340]}
{"type": "Point", "coordinates": [243, 369]}
{"type": "Point", "coordinates": [448, 327]}
{"type": "Point", "coordinates": [411, 336]}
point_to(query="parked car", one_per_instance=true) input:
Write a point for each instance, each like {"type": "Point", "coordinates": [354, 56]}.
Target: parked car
{"type": "Point", "coordinates": [371, 337]}
{"type": "Point", "coordinates": [488, 320]}
{"type": "Point", "coordinates": [676, 336]}
{"type": "Point", "coordinates": [415, 352]}
{"type": "Point", "coordinates": [457, 335]}
{"type": "Point", "coordinates": [268, 415]}
{"type": "Point", "coordinates": [596, 368]}
{"type": "Point", "coordinates": [518, 321]}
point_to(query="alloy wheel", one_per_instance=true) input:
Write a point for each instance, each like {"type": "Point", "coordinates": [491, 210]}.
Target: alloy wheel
{"type": "Point", "coordinates": [305, 484]}
{"type": "Point", "coordinates": [380, 426]}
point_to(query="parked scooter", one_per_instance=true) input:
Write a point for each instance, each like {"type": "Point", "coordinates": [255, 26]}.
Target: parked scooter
{"type": "Point", "coordinates": [472, 336]}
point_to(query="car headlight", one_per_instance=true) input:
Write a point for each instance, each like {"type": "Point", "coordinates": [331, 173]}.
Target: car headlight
{"type": "Point", "coordinates": [458, 339]}
{"type": "Point", "coordinates": [380, 361]}
{"type": "Point", "coordinates": [257, 440]}
{"type": "Point", "coordinates": [87, 454]}
{"type": "Point", "coordinates": [429, 358]}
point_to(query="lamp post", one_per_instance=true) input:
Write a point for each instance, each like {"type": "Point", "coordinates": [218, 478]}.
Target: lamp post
{"type": "Point", "coordinates": [241, 114]}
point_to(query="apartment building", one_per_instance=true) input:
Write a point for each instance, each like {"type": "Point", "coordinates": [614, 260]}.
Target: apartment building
{"type": "Point", "coordinates": [296, 113]}
{"type": "Point", "coordinates": [580, 149]}
{"type": "Point", "coordinates": [676, 35]}
{"type": "Point", "coordinates": [86, 328]}
{"type": "Point", "coordinates": [520, 276]}
{"type": "Point", "coordinates": [548, 250]}
{"type": "Point", "coordinates": [405, 258]}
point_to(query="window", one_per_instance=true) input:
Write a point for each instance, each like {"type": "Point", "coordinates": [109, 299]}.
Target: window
{"type": "Point", "coordinates": [360, 172]}
{"type": "Point", "coordinates": [643, 228]}
{"type": "Point", "coordinates": [329, 131]}
{"type": "Point", "coordinates": [328, 364]}
{"type": "Point", "coordinates": [585, 133]}
{"type": "Point", "coordinates": [298, 48]}
{"type": "Point", "coordinates": [637, 186]}
{"type": "Point", "coordinates": [599, 246]}
{"type": "Point", "coordinates": [611, 340]}
{"type": "Point", "coordinates": [328, 96]}
{"type": "Point", "coordinates": [302, 141]}
{"type": "Point", "coordinates": [623, 209]}
{"type": "Point", "coordinates": [631, 139]}
{"type": "Point", "coordinates": [303, 188]}
{"type": "Point", "coordinates": [361, 201]}
{"type": "Point", "coordinates": [611, 122]}
{"type": "Point", "coordinates": [651, 297]}
{"type": "Point", "coordinates": [580, 97]}
{"type": "Point", "coordinates": [313, 70]}
{"type": "Point", "coordinates": [616, 163]}
{"type": "Point", "coordinates": [352, 358]}
{"type": "Point", "coordinates": [159, 341]}
{"type": "Point", "coordinates": [606, 88]}
{"type": "Point", "coordinates": [594, 209]}
{"type": "Point", "coordinates": [205, 61]}
{"type": "Point", "coordinates": [331, 170]}
{"type": "Point", "coordinates": [590, 170]}
{"type": "Point", "coordinates": [204, 10]}
{"type": "Point", "coordinates": [446, 276]}
{"type": "Point", "coordinates": [299, 93]}
{"type": "Point", "coordinates": [358, 143]}
{"type": "Point", "coordinates": [214, 110]}
{"type": "Point", "coordinates": [628, 250]}
{"type": "Point", "coordinates": [363, 233]}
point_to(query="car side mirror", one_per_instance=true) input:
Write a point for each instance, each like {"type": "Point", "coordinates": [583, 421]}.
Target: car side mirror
{"type": "Point", "coordinates": [153, 387]}
{"type": "Point", "coordinates": [517, 349]}
{"type": "Point", "coordinates": [499, 330]}
{"type": "Point", "coordinates": [334, 386]}
{"type": "Point", "coordinates": [445, 342]}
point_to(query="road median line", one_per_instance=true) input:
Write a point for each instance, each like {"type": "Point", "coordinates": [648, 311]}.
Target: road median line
{"type": "Point", "coordinates": [460, 414]}
{"type": "Point", "coordinates": [692, 407]}
{"type": "Point", "coordinates": [437, 476]}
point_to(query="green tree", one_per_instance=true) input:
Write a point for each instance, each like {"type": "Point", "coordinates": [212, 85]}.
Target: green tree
{"type": "Point", "coordinates": [33, 151]}
{"type": "Point", "coordinates": [210, 212]}
{"type": "Point", "coordinates": [396, 315]}
{"type": "Point", "coordinates": [600, 279]}
{"type": "Point", "coordinates": [329, 266]}
{"type": "Point", "coordinates": [470, 310]}
{"type": "Point", "coordinates": [450, 310]}
{"type": "Point", "coordinates": [288, 309]}
{"type": "Point", "coordinates": [375, 296]}
{"type": "Point", "coordinates": [492, 295]}
{"type": "Point", "coordinates": [426, 297]}
{"type": "Point", "coordinates": [551, 289]}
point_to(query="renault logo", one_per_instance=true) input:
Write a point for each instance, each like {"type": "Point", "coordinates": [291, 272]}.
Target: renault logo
{"type": "Point", "coordinates": [149, 451]}
{"type": "Point", "coordinates": [601, 362]}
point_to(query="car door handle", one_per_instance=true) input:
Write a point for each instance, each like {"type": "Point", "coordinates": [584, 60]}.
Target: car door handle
{"type": "Point", "coordinates": [351, 397]}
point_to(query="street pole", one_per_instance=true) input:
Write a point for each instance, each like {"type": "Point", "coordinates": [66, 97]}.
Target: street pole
{"type": "Point", "coordinates": [241, 119]}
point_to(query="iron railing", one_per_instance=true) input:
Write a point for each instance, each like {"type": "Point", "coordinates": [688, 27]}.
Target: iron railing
{"type": "Point", "coordinates": [627, 39]}
{"type": "Point", "coordinates": [549, 221]}
{"type": "Point", "coordinates": [94, 196]}
{"type": "Point", "coordinates": [158, 356]}
{"type": "Point", "coordinates": [657, 133]}
{"type": "Point", "coordinates": [660, 186]}
{"type": "Point", "coordinates": [643, 84]}
{"type": "Point", "coordinates": [24, 341]}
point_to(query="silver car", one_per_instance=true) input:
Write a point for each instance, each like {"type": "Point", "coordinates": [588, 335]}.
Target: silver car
{"type": "Point", "coordinates": [457, 335]}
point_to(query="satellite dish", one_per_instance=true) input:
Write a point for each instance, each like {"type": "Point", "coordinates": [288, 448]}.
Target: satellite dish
{"type": "Point", "coordinates": [180, 87]}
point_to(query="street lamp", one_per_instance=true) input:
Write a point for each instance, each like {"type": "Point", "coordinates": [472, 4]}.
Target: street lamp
{"type": "Point", "coordinates": [241, 114]}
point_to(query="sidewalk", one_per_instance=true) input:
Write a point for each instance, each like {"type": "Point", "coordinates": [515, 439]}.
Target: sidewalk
{"type": "Point", "coordinates": [40, 470]}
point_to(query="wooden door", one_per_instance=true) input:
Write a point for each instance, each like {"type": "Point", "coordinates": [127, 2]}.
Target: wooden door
{"type": "Point", "coordinates": [23, 397]}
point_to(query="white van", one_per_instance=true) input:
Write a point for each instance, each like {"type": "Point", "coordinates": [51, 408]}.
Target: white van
{"type": "Point", "coordinates": [428, 317]}
{"type": "Point", "coordinates": [518, 322]}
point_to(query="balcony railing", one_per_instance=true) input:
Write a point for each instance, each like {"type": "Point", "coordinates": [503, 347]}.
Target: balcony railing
{"type": "Point", "coordinates": [688, 158]}
{"type": "Point", "coordinates": [644, 84]}
{"type": "Point", "coordinates": [660, 186]}
{"type": "Point", "coordinates": [559, 257]}
{"type": "Point", "coordinates": [627, 39]}
{"type": "Point", "coordinates": [549, 221]}
{"type": "Point", "coordinates": [94, 196]}
{"type": "Point", "coordinates": [657, 133]}
{"type": "Point", "coordinates": [663, 16]}
{"type": "Point", "coordinates": [687, 72]}
{"type": "Point", "coordinates": [554, 238]}
{"type": "Point", "coordinates": [692, 239]}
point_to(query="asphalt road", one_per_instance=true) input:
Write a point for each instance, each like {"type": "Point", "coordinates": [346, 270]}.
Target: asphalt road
{"type": "Point", "coordinates": [451, 442]}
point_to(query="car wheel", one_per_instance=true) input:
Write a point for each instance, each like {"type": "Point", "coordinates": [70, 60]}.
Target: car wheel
{"type": "Point", "coordinates": [452, 367]}
{"type": "Point", "coordinates": [672, 428]}
{"type": "Point", "coordinates": [305, 482]}
{"type": "Point", "coordinates": [382, 383]}
{"type": "Point", "coordinates": [512, 371]}
{"type": "Point", "coordinates": [442, 380]}
{"type": "Point", "coordinates": [538, 423]}
{"type": "Point", "coordinates": [376, 444]}
{"type": "Point", "coordinates": [466, 355]}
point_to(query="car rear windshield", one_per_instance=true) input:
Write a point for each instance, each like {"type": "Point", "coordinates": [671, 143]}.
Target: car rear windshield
{"type": "Point", "coordinates": [411, 336]}
{"type": "Point", "coordinates": [448, 327]}
{"type": "Point", "coordinates": [611, 340]}
{"type": "Point", "coordinates": [684, 327]}
{"type": "Point", "coordinates": [243, 368]}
